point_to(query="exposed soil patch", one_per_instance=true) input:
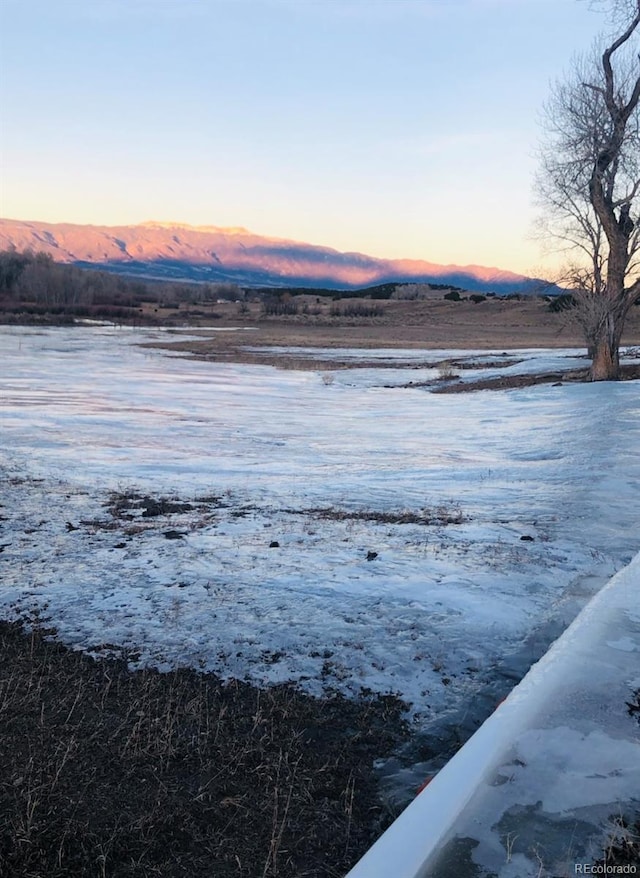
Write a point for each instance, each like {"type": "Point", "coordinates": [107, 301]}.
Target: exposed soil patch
{"type": "Point", "coordinates": [111, 772]}
{"type": "Point", "coordinates": [504, 382]}
{"type": "Point", "coordinates": [130, 506]}
{"type": "Point", "coordinates": [123, 505]}
{"type": "Point", "coordinates": [438, 516]}
{"type": "Point", "coordinates": [465, 365]}
{"type": "Point", "coordinates": [128, 509]}
{"type": "Point", "coordinates": [633, 706]}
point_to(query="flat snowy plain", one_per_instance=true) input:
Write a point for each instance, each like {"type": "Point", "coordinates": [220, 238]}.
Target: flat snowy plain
{"type": "Point", "coordinates": [448, 615]}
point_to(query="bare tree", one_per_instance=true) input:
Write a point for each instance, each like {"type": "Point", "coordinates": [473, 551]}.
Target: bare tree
{"type": "Point", "coordinates": [589, 184]}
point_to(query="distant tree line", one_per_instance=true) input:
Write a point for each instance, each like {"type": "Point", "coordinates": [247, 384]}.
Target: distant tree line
{"type": "Point", "coordinates": [379, 291]}
{"type": "Point", "coordinates": [284, 305]}
{"type": "Point", "coordinates": [34, 283]}
{"type": "Point", "coordinates": [382, 291]}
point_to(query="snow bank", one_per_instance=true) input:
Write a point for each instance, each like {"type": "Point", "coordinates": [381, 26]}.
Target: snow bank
{"type": "Point", "coordinates": [556, 759]}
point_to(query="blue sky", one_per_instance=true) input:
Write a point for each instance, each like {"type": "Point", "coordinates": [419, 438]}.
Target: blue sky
{"type": "Point", "coordinates": [398, 128]}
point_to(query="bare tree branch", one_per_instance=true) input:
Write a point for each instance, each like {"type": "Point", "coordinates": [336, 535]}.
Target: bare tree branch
{"type": "Point", "coordinates": [589, 183]}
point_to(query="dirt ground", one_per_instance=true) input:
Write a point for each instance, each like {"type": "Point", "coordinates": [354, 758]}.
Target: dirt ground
{"type": "Point", "coordinates": [428, 325]}
{"type": "Point", "coordinates": [113, 773]}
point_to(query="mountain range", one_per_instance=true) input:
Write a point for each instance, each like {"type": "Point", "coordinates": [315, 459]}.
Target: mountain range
{"type": "Point", "coordinates": [172, 251]}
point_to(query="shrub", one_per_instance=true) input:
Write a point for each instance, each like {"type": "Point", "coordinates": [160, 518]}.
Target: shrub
{"type": "Point", "coordinates": [277, 308]}
{"type": "Point", "coordinates": [564, 302]}
{"type": "Point", "coordinates": [357, 310]}
{"type": "Point", "coordinates": [446, 371]}
{"type": "Point", "coordinates": [411, 292]}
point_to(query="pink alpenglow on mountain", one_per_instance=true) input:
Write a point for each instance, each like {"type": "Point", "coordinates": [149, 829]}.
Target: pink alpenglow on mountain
{"type": "Point", "coordinates": [210, 253]}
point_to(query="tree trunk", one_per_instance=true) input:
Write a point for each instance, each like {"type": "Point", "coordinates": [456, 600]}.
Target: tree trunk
{"type": "Point", "coordinates": [605, 365]}
{"type": "Point", "coordinates": [604, 352]}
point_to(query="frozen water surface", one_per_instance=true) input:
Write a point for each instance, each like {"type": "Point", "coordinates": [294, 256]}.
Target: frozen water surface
{"type": "Point", "coordinates": [448, 615]}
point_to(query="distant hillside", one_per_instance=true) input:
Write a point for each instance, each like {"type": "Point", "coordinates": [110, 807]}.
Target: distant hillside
{"type": "Point", "coordinates": [209, 253]}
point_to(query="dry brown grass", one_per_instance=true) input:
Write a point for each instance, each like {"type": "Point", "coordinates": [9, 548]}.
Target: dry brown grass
{"type": "Point", "coordinates": [109, 772]}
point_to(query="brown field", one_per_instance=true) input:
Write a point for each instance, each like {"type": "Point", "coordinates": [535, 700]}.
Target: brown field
{"type": "Point", "coordinates": [493, 324]}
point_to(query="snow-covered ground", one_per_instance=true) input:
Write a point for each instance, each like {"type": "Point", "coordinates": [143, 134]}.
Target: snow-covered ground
{"type": "Point", "coordinates": [260, 454]}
